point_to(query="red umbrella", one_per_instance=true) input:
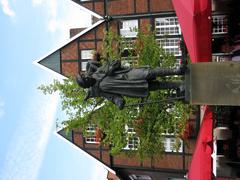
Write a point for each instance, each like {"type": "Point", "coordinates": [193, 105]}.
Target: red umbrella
{"type": "Point", "coordinates": [201, 165]}
{"type": "Point", "coordinates": [195, 20]}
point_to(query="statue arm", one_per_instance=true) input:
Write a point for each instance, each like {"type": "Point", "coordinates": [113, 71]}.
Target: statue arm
{"type": "Point", "coordinates": [92, 66]}
{"type": "Point", "coordinates": [115, 99]}
{"type": "Point", "coordinates": [115, 65]}
{"type": "Point", "coordinates": [118, 100]}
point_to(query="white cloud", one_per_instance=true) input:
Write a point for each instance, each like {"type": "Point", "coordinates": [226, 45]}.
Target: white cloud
{"type": "Point", "coordinates": [28, 144]}
{"type": "Point", "coordinates": [7, 9]}
{"type": "Point", "coordinates": [2, 104]}
{"type": "Point", "coordinates": [63, 15]}
{"type": "Point", "coordinates": [37, 2]}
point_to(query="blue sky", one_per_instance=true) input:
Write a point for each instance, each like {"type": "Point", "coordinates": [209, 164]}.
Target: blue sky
{"type": "Point", "coordinates": [29, 148]}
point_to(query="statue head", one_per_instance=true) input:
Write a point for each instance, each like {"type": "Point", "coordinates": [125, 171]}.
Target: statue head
{"type": "Point", "coordinates": [84, 81]}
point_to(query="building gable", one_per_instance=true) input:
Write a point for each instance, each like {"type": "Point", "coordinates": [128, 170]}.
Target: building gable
{"type": "Point", "coordinates": [52, 62]}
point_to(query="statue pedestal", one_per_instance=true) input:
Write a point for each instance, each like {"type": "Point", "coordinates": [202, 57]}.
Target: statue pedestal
{"type": "Point", "coordinates": [213, 83]}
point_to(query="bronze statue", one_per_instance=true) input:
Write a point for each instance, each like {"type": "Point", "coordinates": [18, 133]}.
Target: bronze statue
{"type": "Point", "coordinates": [113, 81]}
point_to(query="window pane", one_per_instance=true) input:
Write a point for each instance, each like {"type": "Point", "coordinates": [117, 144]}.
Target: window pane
{"type": "Point", "coordinates": [86, 54]}
{"type": "Point", "coordinates": [83, 66]}
{"type": "Point", "coordinates": [91, 138]}
{"type": "Point", "coordinates": [129, 28]}
{"type": "Point", "coordinates": [169, 145]}
{"type": "Point", "coordinates": [170, 45]}
{"type": "Point", "coordinates": [219, 24]}
{"type": "Point", "coordinates": [167, 26]}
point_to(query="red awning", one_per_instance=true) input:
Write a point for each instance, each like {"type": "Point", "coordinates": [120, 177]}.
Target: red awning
{"type": "Point", "coordinates": [201, 165]}
{"type": "Point", "coordinates": [195, 20]}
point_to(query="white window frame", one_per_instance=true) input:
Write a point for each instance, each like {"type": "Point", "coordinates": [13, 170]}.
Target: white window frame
{"type": "Point", "coordinates": [169, 143]}
{"type": "Point", "coordinates": [132, 140]}
{"type": "Point", "coordinates": [170, 45]}
{"type": "Point", "coordinates": [139, 177]}
{"type": "Point", "coordinates": [83, 65]}
{"type": "Point", "coordinates": [128, 28]}
{"type": "Point", "coordinates": [91, 137]}
{"type": "Point", "coordinates": [221, 22]}
{"type": "Point", "coordinates": [129, 61]}
{"type": "Point", "coordinates": [86, 54]}
{"type": "Point", "coordinates": [167, 26]}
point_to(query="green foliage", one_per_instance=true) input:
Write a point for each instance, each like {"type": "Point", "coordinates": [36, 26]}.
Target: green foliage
{"type": "Point", "coordinates": [149, 121]}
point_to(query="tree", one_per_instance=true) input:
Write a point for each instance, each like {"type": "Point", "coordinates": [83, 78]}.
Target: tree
{"type": "Point", "coordinates": [149, 122]}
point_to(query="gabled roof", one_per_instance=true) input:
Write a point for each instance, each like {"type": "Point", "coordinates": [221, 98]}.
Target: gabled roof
{"type": "Point", "coordinates": [51, 61]}
{"type": "Point", "coordinates": [63, 136]}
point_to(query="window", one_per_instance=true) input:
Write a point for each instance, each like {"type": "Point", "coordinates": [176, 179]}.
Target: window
{"type": "Point", "coordinates": [91, 137]}
{"type": "Point", "coordinates": [91, 140]}
{"type": "Point", "coordinates": [219, 24]}
{"type": "Point", "coordinates": [85, 56]}
{"type": "Point", "coordinates": [129, 61]}
{"type": "Point", "coordinates": [128, 55]}
{"type": "Point", "coordinates": [139, 177]}
{"type": "Point", "coordinates": [133, 140]}
{"type": "Point", "coordinates": [83, 65]}
{"type": "Point", "coordinates": [128, 28]}
{"type": "Point", "coordinates": [170, 45]}
{"type": "Point", "coordinates": [169, 145]}
{"type": "Point", "coordinates": [91, 128]}
{"type": "Point", "coordinates": [167, 26]}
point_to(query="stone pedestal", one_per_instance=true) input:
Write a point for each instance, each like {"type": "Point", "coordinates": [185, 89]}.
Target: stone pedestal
{"type": "Point", "coordinates": [213, 83]}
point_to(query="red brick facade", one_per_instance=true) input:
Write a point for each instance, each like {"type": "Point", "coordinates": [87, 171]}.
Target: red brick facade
{"type": "Point", "coordinates": [70, 61]}
{"type": "Point", "coordinates": [172, 161]}
{"type": "Point", "coordinates": [92, 40]}
{"type": "Point", "coordinates": [123, 7]}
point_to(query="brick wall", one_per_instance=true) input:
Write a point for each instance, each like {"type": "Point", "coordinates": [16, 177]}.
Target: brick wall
{"type": "Point", "coordinates": [69, 52]}
{"type": "Point", "coordinates": [123, 7]}
{"type": "Point", "coordinates": [70, 69]}
{"type": "Point", "coordinates": [169, 161]}
{"type": "Point", "coordinates": [75, 31]}
{"type": "Point", "coordinates": [69, 57]}
{"type": "Point", "coordinates": [124, 160]}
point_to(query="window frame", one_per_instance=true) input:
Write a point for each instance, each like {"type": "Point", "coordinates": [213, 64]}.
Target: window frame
{"type": "Point", "coordinates": [170, 48]}
{"type": "Point", "coordinates": [127, 30]}
{"type": "Point", "coordinates": [160, 26]}
{"type": "Point", "coordinates": [132, 138]}
{"type": "Point", "coordinates": [85, 57]}
{"type": "Point", "coordinates": [91, 137]}
{"type": "Point", "coordinates": [221, 21]}
{"type": "Point", "coordinates": [169, 143]}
